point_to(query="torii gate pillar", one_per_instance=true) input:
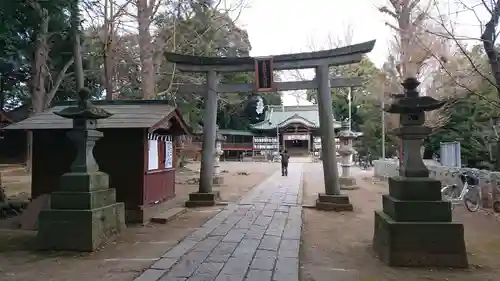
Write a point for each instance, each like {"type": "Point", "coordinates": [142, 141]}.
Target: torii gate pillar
{"type": "Point", "coordinates": [206, 196]}
{"type": "Point", "coordinates": [331, 200]}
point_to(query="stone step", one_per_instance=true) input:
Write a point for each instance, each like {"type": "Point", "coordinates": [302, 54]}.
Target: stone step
{"type": "Point", "coordinates": [168, 215]}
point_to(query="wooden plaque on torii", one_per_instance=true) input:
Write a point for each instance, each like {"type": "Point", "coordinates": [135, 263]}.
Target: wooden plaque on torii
{"type": "Point", "coordinates": [264, 75]}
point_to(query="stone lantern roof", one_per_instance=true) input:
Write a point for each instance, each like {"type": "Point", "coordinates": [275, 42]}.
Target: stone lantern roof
{"type": "Point", "coordinates": [219, 136]}
{"type": "Point", "coordinates": [345, 133]}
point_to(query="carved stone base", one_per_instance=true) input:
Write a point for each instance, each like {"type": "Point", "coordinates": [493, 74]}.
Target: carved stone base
{"type": "Point", "coordinates": [82, 216]}
{"type": "Point", "coordinates": [84, 182]}
{"type": "Point", "coordinates": [218, 180]}
{"type": "Point", "coordinates": [202, 199]}
{"type": "Point", "coordinates": [419, 244]}
{"type": "Point", "coordinates": [79, 230]}
{"type": "Point", "coordinates": [348, 183]}
{"type": "Point", "coordinates": [337, 203]}
{"type": "Point", "coordinates": [415, 227]}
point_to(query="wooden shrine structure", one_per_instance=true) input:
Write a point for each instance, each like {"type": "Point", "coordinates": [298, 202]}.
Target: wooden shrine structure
{"type": "Point", "coordinates": [137, 152]}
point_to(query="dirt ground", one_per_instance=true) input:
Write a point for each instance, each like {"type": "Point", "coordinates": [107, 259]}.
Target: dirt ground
{"type": "Point", "coordinates": [15, 179]}
{"type": "Point", "coordinates": [135, 249]}
{"type": "Point", "coordinates": [337, 246]}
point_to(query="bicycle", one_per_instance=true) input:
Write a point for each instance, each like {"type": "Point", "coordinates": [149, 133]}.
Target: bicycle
{"type": "Point", "coordinates": [364, 164]}
{"type": "Point", "coordinates": [496, 206]}
{"type": "Point", "coordinates": [455, 196]}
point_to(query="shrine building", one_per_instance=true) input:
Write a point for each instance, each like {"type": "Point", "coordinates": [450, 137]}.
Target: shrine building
{"type": "Point", "coordinates": [294, 128]}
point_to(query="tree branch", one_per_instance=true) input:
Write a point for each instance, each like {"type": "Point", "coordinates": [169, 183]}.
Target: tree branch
{"type": "Point", "coordinates": [389, 12]}
{"type": "Point", "coordinates": [488, 38]}
{"type": "Point", "coordinates": [59, 78]}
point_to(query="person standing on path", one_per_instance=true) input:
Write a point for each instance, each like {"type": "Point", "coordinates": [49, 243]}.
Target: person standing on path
{"type": "Point", "coordinates": [284, 163]}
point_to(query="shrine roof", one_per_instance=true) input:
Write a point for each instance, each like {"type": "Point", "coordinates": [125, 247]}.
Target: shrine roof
{"type": "Point", "coordinates": [282, 116]}
{"type": "Point", "coordinates": [146, 114]}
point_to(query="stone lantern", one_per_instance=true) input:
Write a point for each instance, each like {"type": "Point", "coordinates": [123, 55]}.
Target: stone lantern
{"type": "Point", "coordinates": [346, 137]}
{"type": "Point", "coordinates": [217, 178]}
{"type": "Point", "coordinates": [415, 227]}
{"type": "Point", "coordinates": [83, 213]}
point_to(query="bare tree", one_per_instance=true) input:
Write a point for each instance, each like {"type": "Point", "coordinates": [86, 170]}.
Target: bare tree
{"type": "Point", "coordinates": [131, 37]}
{"type": "Point", "coordinates": [416, 52]}
{"type": "Point", "coordinates": [462, 76]}
{"type": "Point", "coordinates": [146, 11]}
{"type": "Point", "coordinates": [115, 22]}
{"type": "Point", "coordinates": [106, 18]}
{"type": "Point", "coordinates": [112, 14]}
{"type": "Point", "coordinates": [479, 70]}
{"type": "Point", "coordinates": [108, 45]}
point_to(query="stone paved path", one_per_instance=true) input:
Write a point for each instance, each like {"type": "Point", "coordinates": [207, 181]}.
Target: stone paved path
{"type": "Point", "coordinates": [257, 239]}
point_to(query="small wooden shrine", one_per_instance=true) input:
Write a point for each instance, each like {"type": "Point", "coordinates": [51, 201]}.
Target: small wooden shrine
{"type": "Point", "coordinates": [137, 151]}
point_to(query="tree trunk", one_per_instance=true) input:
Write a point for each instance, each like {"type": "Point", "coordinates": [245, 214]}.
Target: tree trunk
{"type": "Point", "coordinates": [107, 49]}
{"type": "Point", "coordinates": [405, 34]}
{"type": "Point", "coordinates": [39, 64]}
{"type": "Point", "coordinates": [2, 95]}
{"type": "Point", "coordinates": [144, 17]}
{"type": "Point", "coordinates": [488, 38]}
{"type": "Point", "coordinates": [38, 74]}
{"type": "Point", "coordinates": [57, 82]}
{"type": "Point", "coordinates": [108, 76]}
{"type": "Point", "coordinates": [77, 49]}
{"type": "Point", "coordinates": [2, 103]}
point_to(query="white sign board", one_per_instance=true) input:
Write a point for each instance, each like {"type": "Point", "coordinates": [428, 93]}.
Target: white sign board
{"type": "Point", "coordinates": [265, 143]}
{"type": "Point", "coordinates": [295, 137]}
{"type": "Point", "coordinates": [152, 155]}
{"type": "Point", "coordinates": [169, 154]}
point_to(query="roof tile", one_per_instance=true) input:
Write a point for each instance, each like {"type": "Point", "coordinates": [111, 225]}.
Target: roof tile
{"type": "Point", "coordinates": [278, 115]}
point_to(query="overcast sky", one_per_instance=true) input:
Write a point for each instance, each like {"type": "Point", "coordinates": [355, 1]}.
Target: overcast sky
{"type": "Point", "coordinates": [288, 26]}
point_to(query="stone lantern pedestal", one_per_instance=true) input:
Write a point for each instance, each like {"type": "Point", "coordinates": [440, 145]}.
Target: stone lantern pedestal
{"type": "Point", "coordinates": [346, 136]}
{"type": "Point", "coordinates": [218, 179]}
{"type": "Point", "coordinates": [415, 227]}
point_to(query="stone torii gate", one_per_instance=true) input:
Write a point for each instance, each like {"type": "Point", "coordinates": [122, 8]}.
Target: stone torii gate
{"type": "Point", "coordinates": [264, 68]}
